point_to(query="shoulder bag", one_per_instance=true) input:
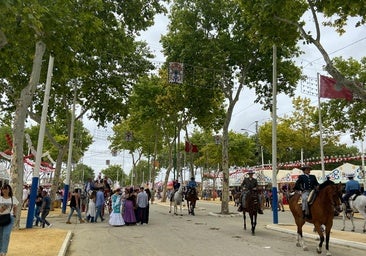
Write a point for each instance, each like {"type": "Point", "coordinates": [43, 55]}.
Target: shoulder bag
{"type": "Point", "coordinates": [5, 219]}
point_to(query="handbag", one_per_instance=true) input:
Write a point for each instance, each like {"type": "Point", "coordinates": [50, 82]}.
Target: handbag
{"type": "Point", "coordinates": [5, 219]}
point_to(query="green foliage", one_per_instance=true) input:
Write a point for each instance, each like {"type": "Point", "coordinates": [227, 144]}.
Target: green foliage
{"type": "Point", "coordinates": [59, 133]}
{"type": "Point", "coordinates": [348, 116]}
{"type": "Point", "coordinates": [298, 135]}
{"type": "Point", "coordinates": [81, 173]}
{"type": "Point", "coordinates": [107, 65]}
{"type": "Point", "coordinates": [116, 174]}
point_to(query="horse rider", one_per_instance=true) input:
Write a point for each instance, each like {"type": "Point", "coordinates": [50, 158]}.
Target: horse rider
{"type": "Point", "coordinates": [352, 187]}
{"type": "Point", "coordinates": [192, 186]}
{"type": "Point", "coordinates": [249, 184]}
{"type": "Point", "coordinates": [306, 183]}
{"type": "Point", "coordinates": [176, 186]}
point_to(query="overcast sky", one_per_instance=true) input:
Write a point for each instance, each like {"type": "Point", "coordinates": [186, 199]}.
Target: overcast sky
{"type": "Point", "coordinates": [246, 112]}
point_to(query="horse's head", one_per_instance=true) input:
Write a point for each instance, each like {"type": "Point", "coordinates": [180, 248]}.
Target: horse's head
{"type": "Point", "coordinates": [335, 194]}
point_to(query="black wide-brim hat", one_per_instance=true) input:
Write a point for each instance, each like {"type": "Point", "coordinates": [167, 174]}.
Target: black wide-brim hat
{"type": "Point", "coordinates": [303, 168]}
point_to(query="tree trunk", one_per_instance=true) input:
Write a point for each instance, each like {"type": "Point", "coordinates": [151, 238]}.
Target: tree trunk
{"type": "Point", "coordinates": [22, 104]}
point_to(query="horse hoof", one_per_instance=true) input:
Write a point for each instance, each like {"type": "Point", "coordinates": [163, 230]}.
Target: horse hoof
{"type": "Point", "coordinates": [181, 215]}
{"type": "Point", "coordinates": [353, 230]}
{"type": "Point", "coordinates": [305, 248]}
{"type": "Point", "coordinates": [170, 211]}
{"type": "Point", "coordinates": [342, 229]}
{"type": "Point", "coordinates": [298, 244]}
{"type": "Point", "coordinates": [318, 250]}
{"type": "Point", "coordinates": [328, 253]}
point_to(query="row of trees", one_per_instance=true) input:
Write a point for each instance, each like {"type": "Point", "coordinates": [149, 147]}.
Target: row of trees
{"type": "Point", "coordinates": [224, 45]}
{"type": "Point", "coordinates": [97, 55]}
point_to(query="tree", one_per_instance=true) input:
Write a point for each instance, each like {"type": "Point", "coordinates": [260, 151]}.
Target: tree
{"type": "Point", "coordinates": [117, 175]}
{"type": "Point", "coordinates": [221, 54]}
{"type": "Point", "coordinates": [347, 116]}
{"type": "Point", "coordinates": [291, 13]}
{"type": "Point", "coordinates": [298, 136]}
{"type": "Point", "coordinates": [81, 173]}
{"type": "Point", "coordinates": [107, 65]}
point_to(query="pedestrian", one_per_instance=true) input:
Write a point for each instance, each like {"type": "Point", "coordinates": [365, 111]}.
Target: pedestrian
{"type": "Point", "coordinates": [280, 201]}
{"type": "Point", "coordinates": [75, 206]}
{"type": "Point", "coordinates": [352, 187]}
{"type": "Point", "coordinates": [129, 208]}
{"type": "Point", "coordinates": [306, 183]}
{"type": "Point", "coordinates": [115, 218]}
{"type": "Point", "coordinates": [142, 203]}
{"type": "Point", "coordinates": [150, 199]}
{"type": "Point", "coordinates": [45, 208]}
{"type": "Point", "coordinates": [25, 197]}
{"type": "Point", "coordinates": [91, 213]}
{"type": "Point", "coordinates": [39, 201]}
{"type": "Point", "coordinates": [99, 204]}
{"type": "Point", "coordinates": [8, 205]}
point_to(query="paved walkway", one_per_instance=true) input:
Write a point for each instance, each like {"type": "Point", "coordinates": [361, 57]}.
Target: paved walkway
{"type": "Point", "coordinates": [31, 241]}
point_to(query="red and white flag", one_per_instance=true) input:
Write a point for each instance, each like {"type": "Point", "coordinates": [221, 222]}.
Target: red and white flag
{"type": "Point", "coordinates": [329, 89]}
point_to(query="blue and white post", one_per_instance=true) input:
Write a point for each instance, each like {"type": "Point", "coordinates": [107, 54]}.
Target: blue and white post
{"type": "Point", "coordinates": [35, 179]}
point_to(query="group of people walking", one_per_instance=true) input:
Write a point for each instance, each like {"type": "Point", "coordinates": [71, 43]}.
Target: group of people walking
{"type": "Point", "coordinates": [128, 207]}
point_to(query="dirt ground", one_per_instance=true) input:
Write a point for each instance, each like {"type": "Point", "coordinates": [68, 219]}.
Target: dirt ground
{"type": "Point", "coordinates": [36, 240]}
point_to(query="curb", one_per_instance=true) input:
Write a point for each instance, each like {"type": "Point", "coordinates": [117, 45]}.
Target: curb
{"type": "Point", "coordinates": [333, 240]}
{"type": "Point", "coordinates": [65, 244]}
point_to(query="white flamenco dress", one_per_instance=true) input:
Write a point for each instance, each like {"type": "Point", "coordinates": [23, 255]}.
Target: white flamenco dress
{"type": "Point", "coordinates": [116, 219]}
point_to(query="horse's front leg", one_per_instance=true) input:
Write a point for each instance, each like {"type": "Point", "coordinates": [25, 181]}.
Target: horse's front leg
{"type": "Point", "coordinates": [181, 212]}
{"type": "Point", "coordinates": [321, 238]}
{"type": "Point", "coordinates": [245, 221]}
{"type": "Point", "coordinates": [300, 240]}
{"type": "Point", "coordinates": [170, 207]}
{"type": "Point", "coordinates": [253, 220]}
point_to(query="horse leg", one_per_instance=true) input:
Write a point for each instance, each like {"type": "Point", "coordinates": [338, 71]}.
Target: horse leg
{"type": "Point", "coordinates": [180, 207]}
{"type": "Point", "coordinates": [170, 207]}
{"type": "Point", "coordinates": [327, 238]}
{"type": "Point", "coordinates": [245, 222]}
{"type": "Point", "coordinates": [300, 239]}
{"type": "Point", "coordinates": [193, 205]}
{"type": "Point", "coordinates": [321, 238]}
{"type": "Point", "coordinates": [253, 219]}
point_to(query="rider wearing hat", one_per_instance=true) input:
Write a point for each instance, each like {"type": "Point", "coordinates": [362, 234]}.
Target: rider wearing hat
{"type": "Point", "coordinates": [192, 185]}
{"type": "Point", "coordinates": [352, 187]}
{"type": "Point", "coordinates": [306, 183]}
{"type": "Point", "coordinates": [248, 184]}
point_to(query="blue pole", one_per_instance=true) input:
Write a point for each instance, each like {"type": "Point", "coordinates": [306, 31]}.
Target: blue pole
{"type": "Point", "coordinates": [64, 201]}
{"type": "Point", "coordinates": [275, 205]}
{"type": "Point", "coordinates": [32, 202]}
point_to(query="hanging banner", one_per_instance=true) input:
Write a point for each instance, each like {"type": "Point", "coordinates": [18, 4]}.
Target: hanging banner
{"type": "Point", "coordinates": [175, 72]}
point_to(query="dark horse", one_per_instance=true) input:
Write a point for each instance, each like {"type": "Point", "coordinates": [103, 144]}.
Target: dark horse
{"type": "Point", "coordinates": [191, 197]}
{"type": "Point", "coordinates": [322, 212]}
{"type": "Point", "coordinates": [252, 206]}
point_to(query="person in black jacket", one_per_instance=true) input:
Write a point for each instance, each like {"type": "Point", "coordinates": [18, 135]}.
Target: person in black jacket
{"type": "Point", "coordinates": [306, 183]}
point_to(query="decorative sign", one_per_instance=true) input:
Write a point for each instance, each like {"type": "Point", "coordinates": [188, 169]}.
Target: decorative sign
{"type": "Point", "coordinates": [175, 72]}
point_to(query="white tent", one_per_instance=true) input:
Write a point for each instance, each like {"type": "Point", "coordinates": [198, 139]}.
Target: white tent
{"type": "Point", "coordinates": [340, 173]}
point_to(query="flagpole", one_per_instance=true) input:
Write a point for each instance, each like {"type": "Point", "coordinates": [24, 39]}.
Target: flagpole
{"type": "Point", "coordinates": [320, 132]}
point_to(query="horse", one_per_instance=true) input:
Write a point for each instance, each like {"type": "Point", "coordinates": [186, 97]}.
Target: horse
{"type": "Point", "coordinates": [177, 200]}
{"type": "Point", "coordinates": [191, 198]}
{"type": "Point", "coordinates": [251, 207]}
{"type": "Point", "coordinates": [357, 205]}
{"type": "Point", "coordinates": [322, 212]}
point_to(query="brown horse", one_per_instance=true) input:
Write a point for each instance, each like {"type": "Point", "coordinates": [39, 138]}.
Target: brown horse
{"type": "Point", "coordinates": [191, 198]}
{"type": "Point", "coordinates": [322, 212]}
{"type": "Point", "coordinates": [251, 207]}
